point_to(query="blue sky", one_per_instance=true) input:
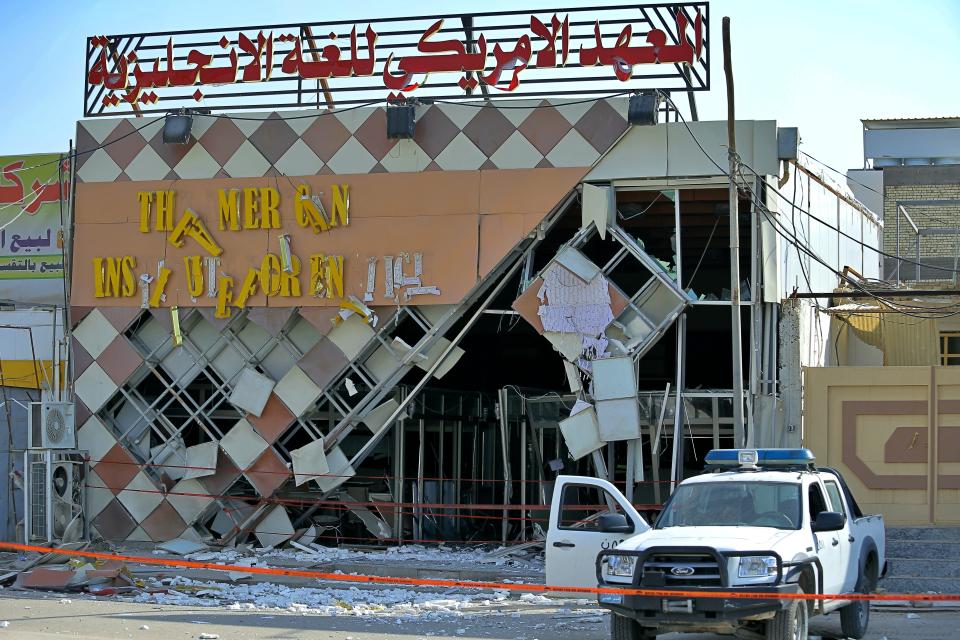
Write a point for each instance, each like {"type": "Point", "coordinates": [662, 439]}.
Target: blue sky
{"type": "Point", "coordinates": [816, 64]}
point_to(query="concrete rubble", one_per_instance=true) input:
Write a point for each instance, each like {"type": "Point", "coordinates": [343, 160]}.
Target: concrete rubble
{"type": "Point", "coordinates": [238, 590]}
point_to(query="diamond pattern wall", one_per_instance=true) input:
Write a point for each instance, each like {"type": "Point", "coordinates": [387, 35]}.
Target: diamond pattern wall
{"type": "Point", "coordinates": [447, 137]}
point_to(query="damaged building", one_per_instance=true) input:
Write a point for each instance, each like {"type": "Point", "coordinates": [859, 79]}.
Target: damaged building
{"type": "Point", "coordinates": [305, 326]}
{"type": "Point", "coordinates": [497, 325]}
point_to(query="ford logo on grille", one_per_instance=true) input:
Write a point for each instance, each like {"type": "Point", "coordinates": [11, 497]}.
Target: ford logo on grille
{"type": "Point", "coordinates": [682, 571]}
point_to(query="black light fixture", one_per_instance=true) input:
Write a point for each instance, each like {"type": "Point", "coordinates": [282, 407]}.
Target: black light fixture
{"type": "Point", "coordinates": [644, 108]}
{"type": "Point", "coordinates": [176, 128]}
{"type": "Point", "coordinates": [401, 121]}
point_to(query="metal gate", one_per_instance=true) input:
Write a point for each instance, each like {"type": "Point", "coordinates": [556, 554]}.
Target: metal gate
{"type": "Point", "coordinates": [874, 425]}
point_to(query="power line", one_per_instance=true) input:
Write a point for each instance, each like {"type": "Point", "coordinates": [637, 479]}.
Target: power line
{"type": "Point", "coordinates": [841, 173]}
{"type": "Point", "coordinates": [477, 105]}
{"type": "Point", "coordinates": [880, 193]}
{"type": "Point", "coordinates": [799, 246]}
{"type": "Point", "coordinates": [899, 307]}
{"type": "Point", "coordinates": [850, 237]}
{"type": "Point", "coordinates": [792, 204]}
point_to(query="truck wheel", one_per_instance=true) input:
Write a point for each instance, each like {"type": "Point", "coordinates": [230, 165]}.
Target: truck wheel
{"type": "Point", "coordinates": [622, 628]}
{"type": "Point", "coordinates": [855, 617]}
{"type": "Point", "coordinates": [790, 623]}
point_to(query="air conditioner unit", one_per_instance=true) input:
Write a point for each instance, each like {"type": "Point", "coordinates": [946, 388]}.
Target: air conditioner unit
{"type": "Point", "coordinates": [51, 426]}
{"type": "Point", "coordinates": [55, 496]}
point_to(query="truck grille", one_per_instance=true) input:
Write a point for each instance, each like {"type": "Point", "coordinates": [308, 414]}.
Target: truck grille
{"type": "Point", "coordinates": [695, 569]}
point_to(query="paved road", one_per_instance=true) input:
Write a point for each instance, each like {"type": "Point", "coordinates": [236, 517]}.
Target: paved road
{"type": "Point", "coordinates": [33, 616]}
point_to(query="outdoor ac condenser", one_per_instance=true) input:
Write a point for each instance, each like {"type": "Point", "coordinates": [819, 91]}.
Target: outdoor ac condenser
{"type": "Point", "coordinates": [55, 495]}
{"type": "Point", "coordinates": [51, 426]}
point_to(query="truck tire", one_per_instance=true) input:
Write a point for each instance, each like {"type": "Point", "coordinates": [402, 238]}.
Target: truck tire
{"type": "Point", "coordinates": [622, 628]}
{"type": "Point", "coordinates": [790, 623]}
{"type": "Point", "coordinates": [855, 617]}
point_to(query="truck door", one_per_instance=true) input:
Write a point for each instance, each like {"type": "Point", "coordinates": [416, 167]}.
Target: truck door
{"type": "Point", "coordinates": [574, 537]}
{"type": "Point", "coordinates": [849, 546]}
{"type": "Point", "coordinates": [827, 543]}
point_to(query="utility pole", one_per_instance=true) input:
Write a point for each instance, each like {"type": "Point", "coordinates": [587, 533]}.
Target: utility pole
{"type": "Point", "coordinates": [738, 428]}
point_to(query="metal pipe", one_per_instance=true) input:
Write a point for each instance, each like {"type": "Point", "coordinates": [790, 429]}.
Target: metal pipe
{"type": "Point", "coordinates": [887, 293]}
{"type": "Point", "coordinates": [504, 440]}
{"type": "Point", "coordinates": [420, 461]}
{"type": "Point", "coordinates": [676, 463]}
{"type": "Point", "coordinates": [738, 425]}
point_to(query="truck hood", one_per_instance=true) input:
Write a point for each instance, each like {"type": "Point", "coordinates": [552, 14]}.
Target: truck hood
{"type": "Point", "coordinates": [719, 538]}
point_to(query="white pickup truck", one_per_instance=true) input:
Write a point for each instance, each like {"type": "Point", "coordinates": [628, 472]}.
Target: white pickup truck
{"type": "Point", "coordinates": [764, 521]}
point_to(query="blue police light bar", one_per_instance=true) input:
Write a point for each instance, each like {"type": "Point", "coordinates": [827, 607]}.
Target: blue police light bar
{"type": "Point", "coordinates": [751, 458]}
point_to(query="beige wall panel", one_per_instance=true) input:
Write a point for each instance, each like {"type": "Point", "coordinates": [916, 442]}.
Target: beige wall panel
{"type": "Point", "coordinates": [435, 213]}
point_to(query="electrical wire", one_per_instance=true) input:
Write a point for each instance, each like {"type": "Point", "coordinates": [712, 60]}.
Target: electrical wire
{"type": "Point", "coordinates": [487, 103]}
{"type": "Point", "coordinates": [484, 105]}
{"type": "Point", "coordinates": [227, 116]}
{"type": "Point", "coordinates": [77, 154]}
{"type": "Point", "coordinates": [22, 200]}
{"type": "Point", "coordinates": [763, 207]}
{"type": "Point", "coordinates": [847, 235]}
{"type": "Point", "coordinates": [840, 173]}
{"type": "Point", "coordinates": [788, 201]}
{"type": "Point", "coordinates": [906, 309]}
{"type": "Point", "coordinates": [899, 307]}
{"type": "Point", "coordinates": [703, 253]}
{"type": "Point", "coordinates": [640, 213]}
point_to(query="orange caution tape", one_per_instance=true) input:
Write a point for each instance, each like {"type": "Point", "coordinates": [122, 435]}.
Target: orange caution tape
{"type": "Point", "coordinates": [468, 584]}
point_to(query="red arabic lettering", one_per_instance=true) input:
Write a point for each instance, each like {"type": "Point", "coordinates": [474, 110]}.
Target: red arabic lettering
{"type": "Point", "coordinates": [400, 74]}
{"type": "Point", "coordinates": [14, 192]}
{"type": "Point", "coordinates": [547, 57]}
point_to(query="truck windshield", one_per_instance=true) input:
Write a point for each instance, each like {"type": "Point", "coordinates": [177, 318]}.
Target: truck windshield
{"type": "Point", "coordinates": [733, 504]}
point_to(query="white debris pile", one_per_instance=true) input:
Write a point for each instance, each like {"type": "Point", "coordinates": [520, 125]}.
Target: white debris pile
{"type": "Point", "coordinates": [327, 602]}
{"type": "Point", "coordinates": [436, 556]}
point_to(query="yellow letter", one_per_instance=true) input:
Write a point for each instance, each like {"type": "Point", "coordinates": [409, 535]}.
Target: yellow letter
{"type": "Point", "coordinates": [341, 205]}
{"type": "Point", "coordinates": [158, 287]}
{"type": "Point", "coordinates": [199, 232]}
{"type": "Point", "coordinates": [248, 288]}
{"type": "Point", "coordinates": [194, 275]}
{"type": "Point", "coordinates": [178, 234]}
{"type": "Point", "coordinates": [270, 274]}
{"type": "Point", "coordinates": [98, 278]}
{"type": "Point", "coordinates": [164, 210]}
{"type": "Point", "coordinates": [290, 281]}
{"type": "Point", "coordinates": [224, 297]}
{"type": "Point", "coordinates": [326, 276]}
{"type": "Point", "coordinates": [334, 276]}
{"type": "Point", "coordinates": [229, 218]}
{"type": "Point", "coordinates": [307, 213]}
{"type": "Point", "coordinates": [128, 264]}
{"type": "Point", "coordinates": [145, 198]}
{"type": "Point", "coordinates": [111, 277]}
{"type": "Point", "coordinates": [269, 201]}
{"type": "Point", "coordinates": [317, 284]}
{"type": "Point", "coordinates": [250, 219]}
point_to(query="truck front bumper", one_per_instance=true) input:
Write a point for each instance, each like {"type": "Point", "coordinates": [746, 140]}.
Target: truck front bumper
{"type": "Point", "coordinates": [658, 610]}
{"type": "Point", "coordinates": [689, 606]}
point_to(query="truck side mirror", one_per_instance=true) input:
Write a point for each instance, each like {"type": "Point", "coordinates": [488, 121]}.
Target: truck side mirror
{"type": "Point", "coordinates": [829, 521]}
{"type": "Point", "coordinates": [614, 523]}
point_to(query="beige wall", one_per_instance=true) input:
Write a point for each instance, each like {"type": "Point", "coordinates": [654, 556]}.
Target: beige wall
{"type": "Point", "coordinates": [873, 424]}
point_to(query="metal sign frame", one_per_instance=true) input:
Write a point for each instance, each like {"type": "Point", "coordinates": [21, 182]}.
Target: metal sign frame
{"type": "Point", "coordinates": [502, 54]}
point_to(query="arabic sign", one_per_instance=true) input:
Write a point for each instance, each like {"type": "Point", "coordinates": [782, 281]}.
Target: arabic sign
{"type": "Point", "coordinates": [31, 235]}
{"type": "Point", "coordinates": [516, 53]}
